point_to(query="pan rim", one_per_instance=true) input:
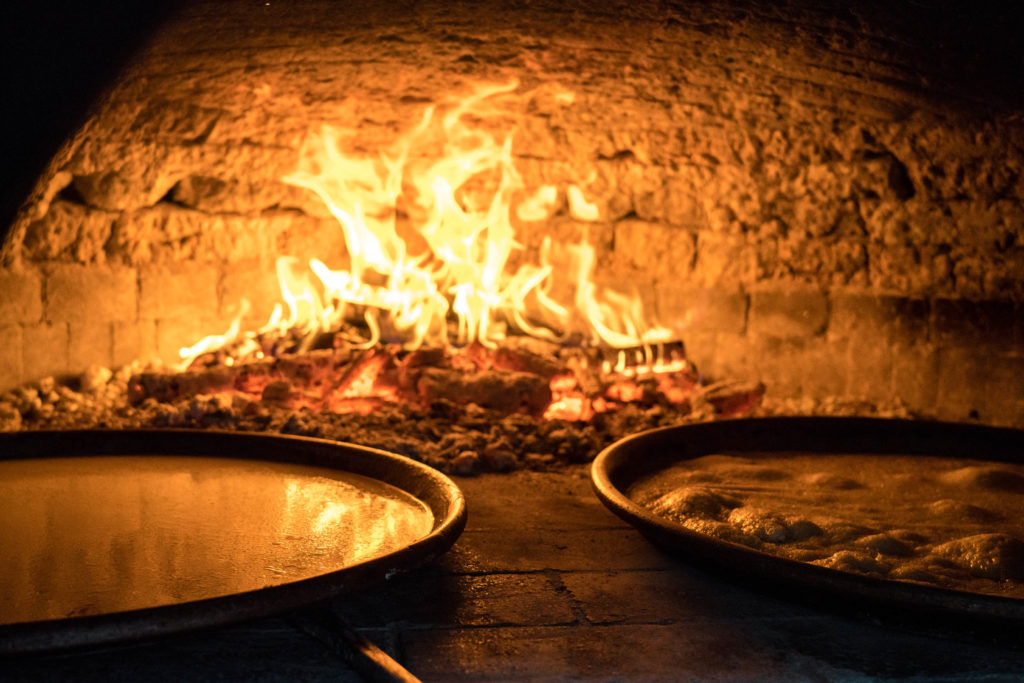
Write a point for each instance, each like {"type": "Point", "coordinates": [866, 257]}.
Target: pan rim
{"type": "Point", "coordinates": [438, 492]}
{"type": "Point", "coordinates": [877, 598]}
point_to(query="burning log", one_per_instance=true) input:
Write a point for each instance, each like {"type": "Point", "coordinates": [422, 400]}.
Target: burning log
{"type": "Point", "coordinates": [165, 387]}
{"type": "Point", "coordinates": [732, 399]}
{"type": "Point", "coordinates": [309, 370]}
{"type": "Point", "coordinates": [336, 378]}
{"type": "Point", "coordinates": [532, 377]}
{"type": "Point", "coordinates": [507, 392]}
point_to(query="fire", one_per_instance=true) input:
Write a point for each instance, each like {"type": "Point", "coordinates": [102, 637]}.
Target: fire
{"type": "Point", "coordinates": [430, 229]}
{"type": "Point", "coordinates": [429, 226]}
{"type": "Point", "coordinates": [634, 376]}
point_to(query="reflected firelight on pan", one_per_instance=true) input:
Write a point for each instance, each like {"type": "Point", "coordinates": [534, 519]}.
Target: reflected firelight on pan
{"type": "Point", "coordinates": [96, 535]}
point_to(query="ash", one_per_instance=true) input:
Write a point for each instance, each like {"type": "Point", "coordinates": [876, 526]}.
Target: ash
{"type": "Point", "coordinates": [458, 439]}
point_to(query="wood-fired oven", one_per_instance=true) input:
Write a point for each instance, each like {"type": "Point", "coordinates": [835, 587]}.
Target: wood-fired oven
{"type": "Point", "coordinates": [822, 202]}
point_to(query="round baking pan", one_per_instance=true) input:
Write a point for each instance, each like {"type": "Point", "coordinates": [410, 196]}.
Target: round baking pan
{"type": "Point", "coordinates": [265, 457]}
{"type": "Point", "coordinates": [907, 604]}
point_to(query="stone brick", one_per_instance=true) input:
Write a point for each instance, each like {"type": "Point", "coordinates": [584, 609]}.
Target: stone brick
{"type": "Point", "coordinates": [825, 371]}
{"type": "Point", "coordinates": [10, 356]}
{"type": "Point", "coordinates": [988, 324]}
{"type": "Point", "coordinates": [254, 281]}
{"type": "Point", "coordinates": [869, 369]}
{"type": "Point", "coordinates": [89, 342]}
{"type": "Point", "coordinates": [867, 318]}
{"type": "Point", "coordinates": [722, 355]}
{"type": "Point", "coordinates": [174, 120]}
{"type": "Point", "coordinates": [174, 333]}
{"type": "Point", "coordinates": [21, 298]}
{"type": "Point", "coordinates": [829, 261]}
{"type": "Point", "coordinates": [69, 230]}
{"type": "Point", "coordinates": [915, 375]}
{"type": "Point", "coordinates": [659, 251]}
{"type": "Point", "coordinates": [78, 294]}
{"type": "Point", "coordinates": [235, 196]}
{"type": "Point", "coordinates": [913, 270]}
{"type": "Point", "coordinates": [145, 174]}
{"type": "Point", "coordinates": [801, 367]}
{"type": "Point", "coordinates": [305, 237]}
{"type": "Point", "coordinates": [969, 270]}
{"type": "Point", "coordinates": [982, 223]}
{"type": "Point", "coordinates": [1003, 275]}
{"type": "Point", "coordinates": [178, 291]}
{"type": "Point", "coordinates": [168, 233]}
{"type": "Point", "coordinates": [133, 341]}
{"type": "Point", "coordinates": [565, 507]}
{"type": "Point", "coordinates": [233, 238]}
{"type": "Point", "coordinates": [788, 313]}
{"type": "Point", "coordinates": [726, 259]}
{"type": "Point", "coordinates": [55, 231]}
{"type": "Point", "coordinates": [622, 183]}
{"type": "Point", "coordinates": [486, 551]}
{"type": "Point", "coordinates": [700, 350]}
{"type": "Point", "coordinates": [660, 597]}
{"type": "Point", "coordinates": [976, 385]}
{"type": "Point", "coordinates": [172, 234]}
{"type": "Point", "coordinates": [487, 600]}
{"type": "Point", "coordinates": [703, 310]}
{"type": "Point", "coordinates": [44, 350]}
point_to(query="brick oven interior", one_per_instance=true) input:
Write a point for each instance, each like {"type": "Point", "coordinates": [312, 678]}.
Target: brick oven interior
{"type": "Point", "coordinates": [821, 200]}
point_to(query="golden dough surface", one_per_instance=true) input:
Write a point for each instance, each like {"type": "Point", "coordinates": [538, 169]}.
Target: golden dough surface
{"type": "Point", "coordinates": [953, 523]}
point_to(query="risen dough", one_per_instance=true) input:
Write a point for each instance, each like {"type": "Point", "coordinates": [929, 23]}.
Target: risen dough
{"type": "Point", "coordinates": [942, 521]}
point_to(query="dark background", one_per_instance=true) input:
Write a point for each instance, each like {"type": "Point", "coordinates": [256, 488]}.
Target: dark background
{"type": "Point", "coordinates": [57, 58]}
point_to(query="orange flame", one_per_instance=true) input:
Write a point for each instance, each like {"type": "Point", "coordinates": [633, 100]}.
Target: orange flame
{"type": "Point", "coordinates": [428, 224]}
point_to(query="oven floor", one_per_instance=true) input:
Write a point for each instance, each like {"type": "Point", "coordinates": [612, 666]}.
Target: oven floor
{"type": "Point", "coordinates": [545, 584]}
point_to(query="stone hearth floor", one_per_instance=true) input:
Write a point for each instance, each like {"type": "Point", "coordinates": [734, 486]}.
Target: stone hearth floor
{"type": "Point", "coordinates": [546, 584]}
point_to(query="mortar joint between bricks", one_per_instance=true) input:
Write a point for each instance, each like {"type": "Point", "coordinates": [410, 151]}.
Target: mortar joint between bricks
{"type": "Point", "coordinates": [554, 578]}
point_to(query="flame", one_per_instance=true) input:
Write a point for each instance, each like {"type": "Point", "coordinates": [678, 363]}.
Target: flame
{"type": "Point", "coordinates": [216, 341]}
{"type": "Point", "coordinates": [429, 225]}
